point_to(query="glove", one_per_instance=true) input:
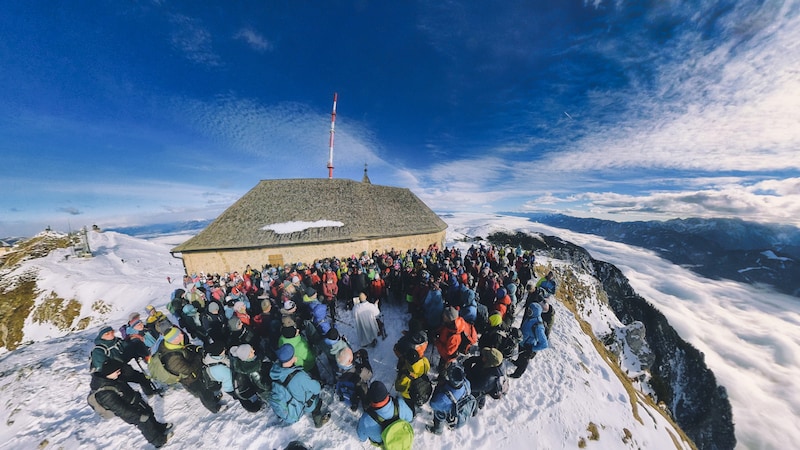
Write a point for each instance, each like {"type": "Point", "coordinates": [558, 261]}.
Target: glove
{"type": "Point", "coordinates": [144, 418]}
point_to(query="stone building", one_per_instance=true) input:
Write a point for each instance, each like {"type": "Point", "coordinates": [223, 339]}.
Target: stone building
{"type": "Point", "coordinates": [300, 220]}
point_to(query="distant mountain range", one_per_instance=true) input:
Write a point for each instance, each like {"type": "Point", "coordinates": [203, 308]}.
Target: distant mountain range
{"type": "Point", "coordinates": [160, 229]}
{"type": "Point", "coordinates": [731, 249]}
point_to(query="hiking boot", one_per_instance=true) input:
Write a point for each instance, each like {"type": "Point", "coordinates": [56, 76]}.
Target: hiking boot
{"type": "Point", "coordinates": [167, 429]}
{"type": "Point", "coordinates": [156, 390]}
{"type": "Point", "coordinates": [321, 419]}
{"type": "Point", "coordinates": [436, 428]}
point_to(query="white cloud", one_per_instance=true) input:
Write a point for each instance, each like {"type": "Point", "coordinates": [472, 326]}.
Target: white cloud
{"type": "Point", "coordinates": [256, 41]}
{"type": "Point", "coordinates": [190, 38]}
{"type": "Point", "coordinates": [733, 107]}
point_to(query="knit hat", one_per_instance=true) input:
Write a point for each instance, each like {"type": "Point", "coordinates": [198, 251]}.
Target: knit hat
{"type": "Point", "coordinates": [288, 332]}
{"type": "Point", "coordinates": [500, 293]}
{"type": "Point", "coordinates": [536, 310]}
{"type": "Point", "coordinates": [450, 314]}
{"type": "Point", "coordinates": [242, 352]}
{"type": "Point", "coordinates": [133, 317]}
{"type": "Point", "coordinates": [239, 307]}
{"type": "Point", "coordinates": [111, 366]}
{"type": "Point", "coordinates": [289, 306]}
{"type": "Point", "coordinates": [311, 292]}
{"type": "Point", "coordinates": [174, 336]}
{"type": "Point", "coordinates": [234, 323]}
{"type": "Point", "coordinates": [213, 307]}
{"type": "Point", "coordinates": [377, 394]}
{"type": "Point", "coordinates": [495, 319]}
{"type": "Point", "coordinates": [284, 353]}
{"type": "Point", "coordinates": [492, 357]}
{"type": "Point", "coordinates": [104, 330]}
{"type": "Point", "coordinates": [266, 305]}
{"type": "Point", "coordinates": [455, 376]}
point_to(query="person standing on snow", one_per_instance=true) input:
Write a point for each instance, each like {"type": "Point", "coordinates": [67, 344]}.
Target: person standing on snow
{"type": "Point", "coordinates": [534, 339]}
{"type": "Point", "coordinates": [366, 321]}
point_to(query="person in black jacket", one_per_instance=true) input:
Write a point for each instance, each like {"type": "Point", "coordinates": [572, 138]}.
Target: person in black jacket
{"type": "Point", "coordinates": [485, 374]}
{"type": "Point", "coordinates": [116, 395]}
{"type": "Point", "coordinates": [186, 361]}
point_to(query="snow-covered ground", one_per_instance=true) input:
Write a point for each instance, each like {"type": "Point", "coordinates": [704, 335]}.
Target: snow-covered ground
{"type": "Point", "coordinates": [750, 339]}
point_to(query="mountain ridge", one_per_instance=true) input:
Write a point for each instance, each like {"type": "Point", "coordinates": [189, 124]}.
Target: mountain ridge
{"type": "Point", "coordinates": [731, 249]}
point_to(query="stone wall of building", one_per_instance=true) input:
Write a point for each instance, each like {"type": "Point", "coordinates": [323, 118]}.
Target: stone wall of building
{"type": "Point", "coordinates": [224, 261]}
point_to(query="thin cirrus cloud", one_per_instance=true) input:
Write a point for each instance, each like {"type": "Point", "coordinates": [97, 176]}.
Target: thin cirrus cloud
{"type": "Point", "coordinates": [279, 136]}
{"type": "Point", "coordinates": [191, 39]}
{"type": "Point", "coordinates": [255, 40]}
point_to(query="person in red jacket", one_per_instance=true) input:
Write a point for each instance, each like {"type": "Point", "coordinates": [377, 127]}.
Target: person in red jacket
{"type": "Point", "coordinates": [377, 288]}
{"type": "Point", "coordinates": [454, 336]}
{"type": "Point", "coordinates": [502, 304]}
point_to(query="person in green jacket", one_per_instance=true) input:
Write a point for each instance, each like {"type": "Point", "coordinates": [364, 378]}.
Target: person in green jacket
{"type": "Point", "coordinates": [302, 351]}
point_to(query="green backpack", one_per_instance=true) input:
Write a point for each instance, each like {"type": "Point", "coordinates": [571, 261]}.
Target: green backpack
{"type": "Point", "coordinates": [160, 373]}
{"type": "Point", "coordinates": [397, 434]}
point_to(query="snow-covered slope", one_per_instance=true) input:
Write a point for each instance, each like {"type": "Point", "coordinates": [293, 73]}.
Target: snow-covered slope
{"type": "Point", "coordinates": [572, 394]}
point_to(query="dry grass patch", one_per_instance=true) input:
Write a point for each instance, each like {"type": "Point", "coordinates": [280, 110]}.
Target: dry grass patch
{"type": "Point", "coordinates": [57, 311]}
{"type": "Point", "coordinates": [16, 304]}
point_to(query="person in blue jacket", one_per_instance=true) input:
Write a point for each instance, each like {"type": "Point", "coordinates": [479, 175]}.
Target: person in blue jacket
{"type": "Point", "coordinates": [383, 405]}
{"type": "Point", "coordinates": [442, 404]}
{"type": "Point", "coordinates": [534, 339]}
{"type": "Point", "coordinates": [303, 389]}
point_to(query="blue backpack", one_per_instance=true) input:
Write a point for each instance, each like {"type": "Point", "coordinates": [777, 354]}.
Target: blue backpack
{"type": "Point", "coordinates": [283, 403]}
{"type": "Point", "coordinates": [463, 409]}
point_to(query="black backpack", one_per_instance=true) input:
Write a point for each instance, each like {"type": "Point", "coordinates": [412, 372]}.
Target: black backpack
{"type": "Point", "coordinates": [420, 390]}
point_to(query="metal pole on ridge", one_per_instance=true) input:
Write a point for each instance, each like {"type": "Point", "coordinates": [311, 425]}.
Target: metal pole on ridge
{"type": "Point", "coordinates": [330, 152]}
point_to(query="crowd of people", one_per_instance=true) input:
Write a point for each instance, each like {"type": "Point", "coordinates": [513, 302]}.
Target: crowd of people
{"type": "Point", "coordinates": [268, 337]}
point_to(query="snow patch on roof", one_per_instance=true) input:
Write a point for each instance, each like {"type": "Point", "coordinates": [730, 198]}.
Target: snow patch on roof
{"type": "Point", "coordinates": [291, 227]}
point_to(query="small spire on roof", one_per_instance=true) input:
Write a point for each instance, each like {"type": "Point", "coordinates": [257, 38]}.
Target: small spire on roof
{"type": "Point", "coordinates": [366, 177]}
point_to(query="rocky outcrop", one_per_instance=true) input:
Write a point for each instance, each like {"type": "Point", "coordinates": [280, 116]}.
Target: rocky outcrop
{"type": "Point", "coordinates": [680, 377]}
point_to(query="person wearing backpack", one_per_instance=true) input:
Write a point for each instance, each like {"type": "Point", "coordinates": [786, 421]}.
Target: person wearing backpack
{"type": "Point", "coordinates": [354, 372]}
{"type": "Point", "coordinates": [486, 376]}
{"type": "Point", "coordinates": [113, 394]}
{"type": "Point", "coordinates": [386, 422]}
{"type": "Point", "coordinates": [413, 382]}
{"type": "Point", "coordinates": [452, 401]}
{"type": "Point", "coordinates": [534, 339]}
{"type": "Point", "coordinates": [454, 336]}
{"type": "Point", "coordinates": [107, 346]}
{"type": "Point", "coordinates": [501, 336]}
{"type": "Point", "coordinates": [186, 362]}
{"type": "Point", "coordinates": [294, 393]}
{"type": "Point", "coordinates": [250, 383]}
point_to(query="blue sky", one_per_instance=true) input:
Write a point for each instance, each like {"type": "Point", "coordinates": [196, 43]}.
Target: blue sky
{"type": "Point", "coordinates": [127, 113]}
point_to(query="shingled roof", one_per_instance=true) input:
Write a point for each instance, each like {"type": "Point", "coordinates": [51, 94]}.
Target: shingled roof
{"type": "Point", "coordinates": [365, 210]}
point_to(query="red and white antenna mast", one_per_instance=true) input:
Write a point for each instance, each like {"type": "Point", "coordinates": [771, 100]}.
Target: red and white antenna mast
{"type": "Point", "coordinates": [333, 122]}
